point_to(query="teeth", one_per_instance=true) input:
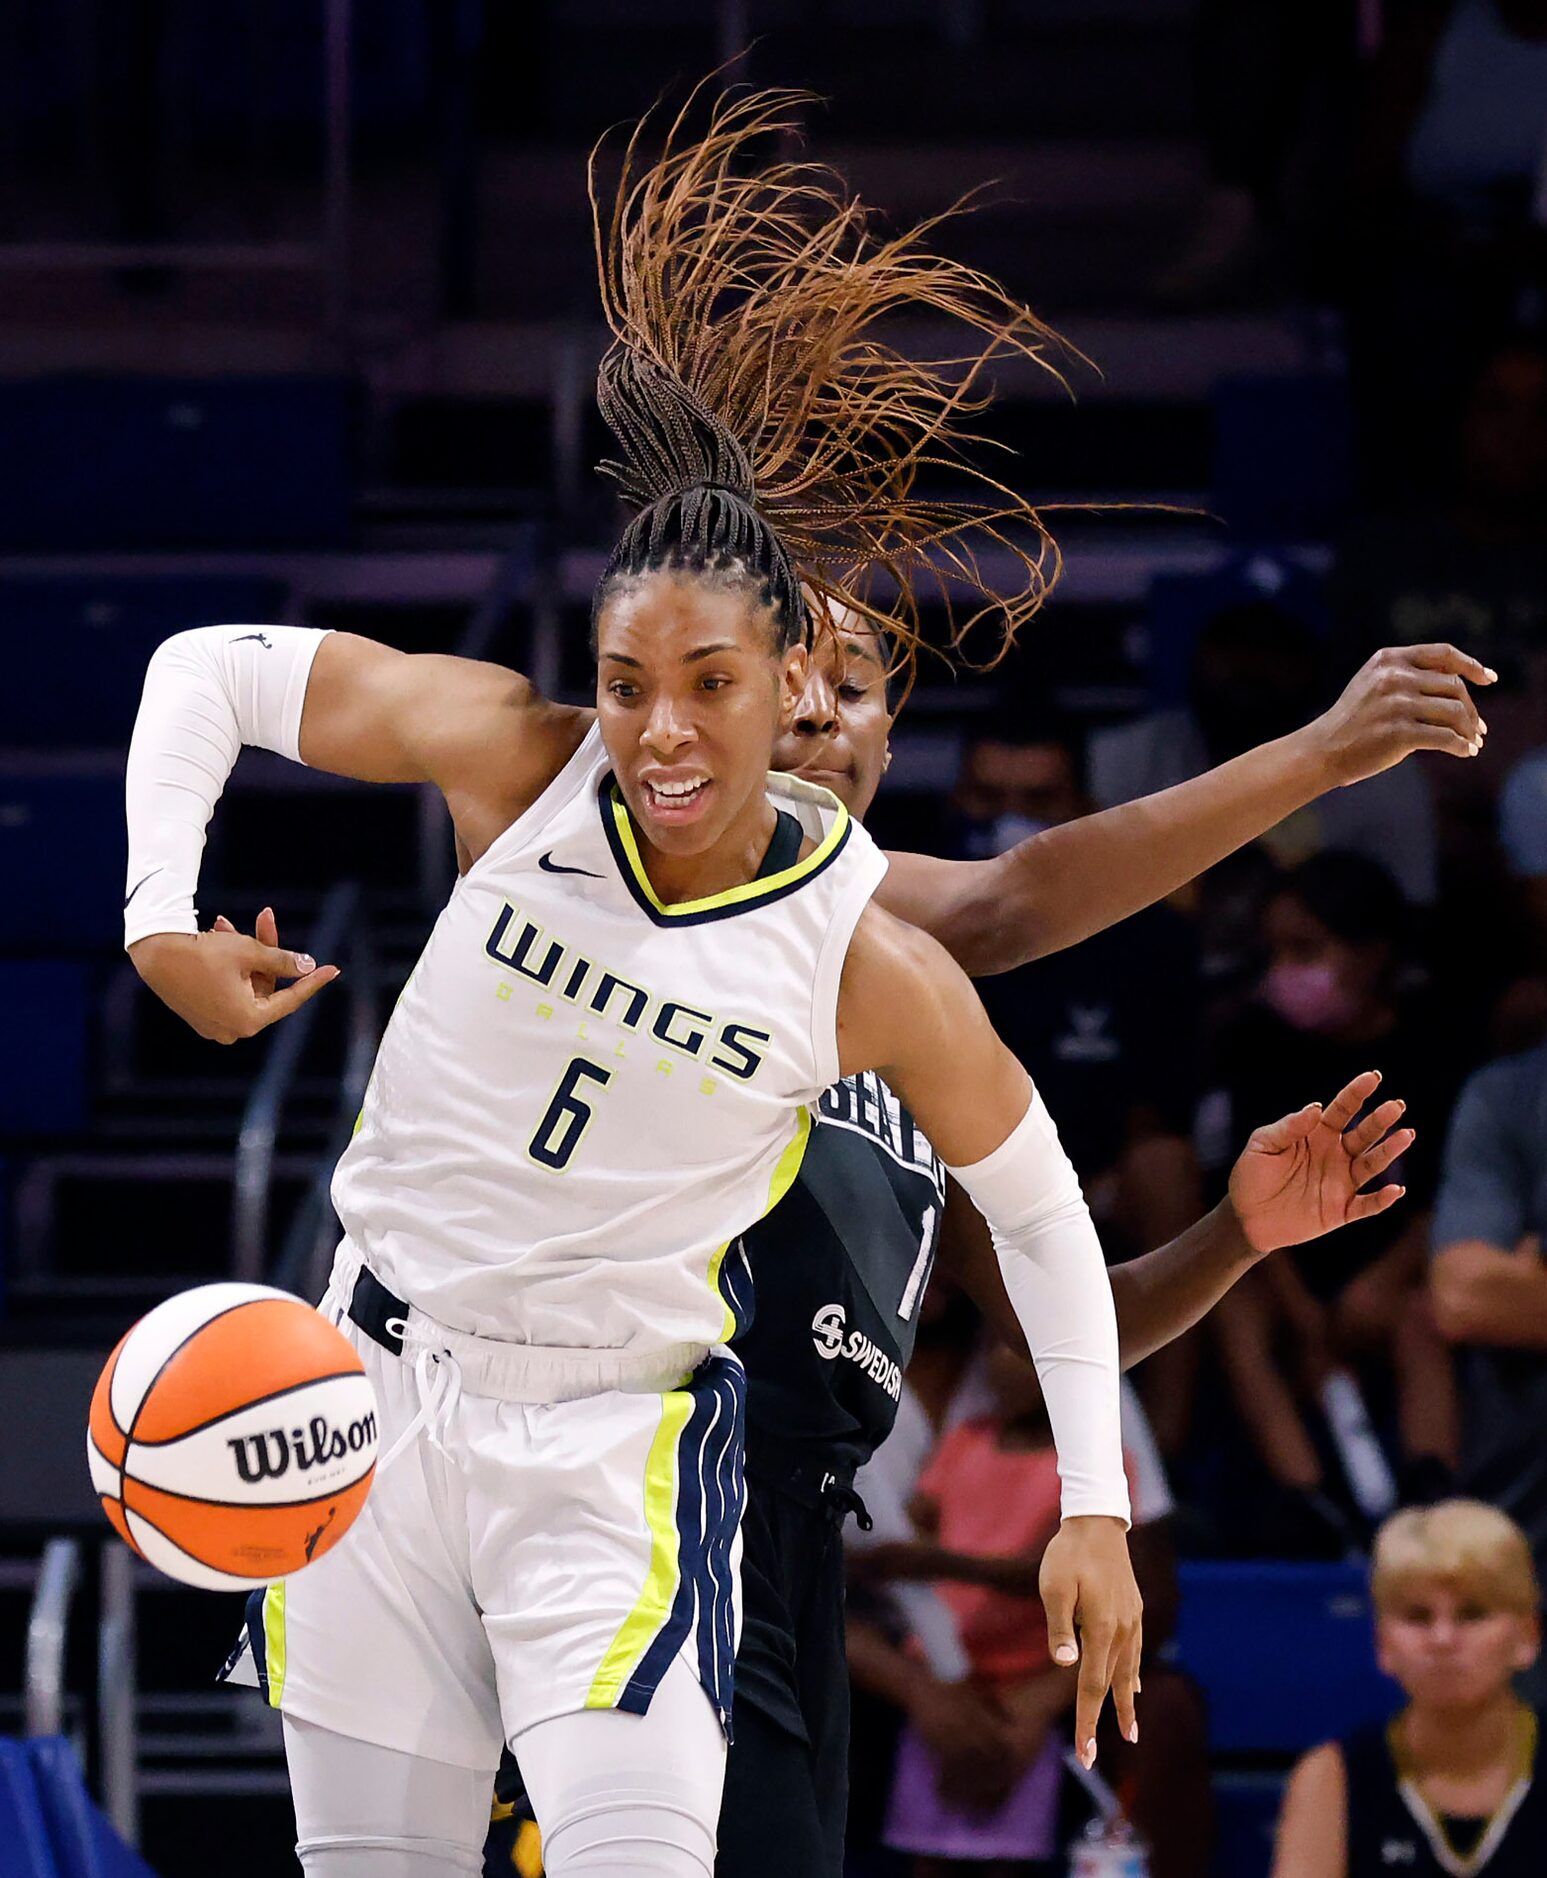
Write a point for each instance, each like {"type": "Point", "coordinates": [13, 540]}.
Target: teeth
{"type": "Point", "coordinates": [677, 789]}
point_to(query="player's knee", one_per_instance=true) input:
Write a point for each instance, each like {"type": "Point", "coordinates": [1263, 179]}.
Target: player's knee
{"type": "Point", "coordinates": [630, 1829]}
{"type": "Point", "coordinates": [381, 1856]}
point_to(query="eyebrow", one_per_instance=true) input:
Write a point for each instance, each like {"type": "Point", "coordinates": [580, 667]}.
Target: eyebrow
{"type": "Point", "coordinates": [864, 651]}
{"type": "Point", "coordinates": [688, 658]}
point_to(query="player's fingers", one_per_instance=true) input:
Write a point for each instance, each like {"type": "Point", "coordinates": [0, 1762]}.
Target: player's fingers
{"type": "Point", "coordinates": [1095, 1679]}
{"type": "Point", "coordinates": [1458, 715]}
{"type": "Point", "coordinates": [1367, 1205]}
{"type": "Point", "coordinates": [222, 924]}
{"type": "Point", "coordinates": [280, 1004]}
{"type": "Point", "coordinates": [1348, 1101]}
{"type": "Point", "coordinates": [1448, 658]}
{"type": "Point", "coordinates": [1378, 1159]}
{"type": "Point", "coordinates": [1447, 742]}
{"type": "Point", "coordinates": [266, 928]}
{"type": "Point", "coordinates": [278, 963]}
{"type": "Point", "coordinates": [1275, 1137]}
{"type": "Point", "coordinates": [1376, 1124]}
{"type": "Point", "coordinates": [1125, 1682]}
{"type": "Point", "coordinates": [1058, 1603]}
{"type": "Point", "coordinates": [1371, 1166]}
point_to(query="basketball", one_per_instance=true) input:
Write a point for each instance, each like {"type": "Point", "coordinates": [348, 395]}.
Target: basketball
{"type": "Point", "coordinates": [232, 1436]}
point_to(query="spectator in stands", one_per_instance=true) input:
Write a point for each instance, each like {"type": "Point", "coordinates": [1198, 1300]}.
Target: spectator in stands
{"type": "Point", "coordinates": [1451, 1785]}
{"type": "Point", "coordinates": [1331, 1001]}
{"type": "Point", "coordinates": [1107, 1028]}
{"type": "Point", "coordinates": [1520, 1019]}
{"type": "Point", "coordinates": [1472, 566]}
{"type": "Point", "coordinates": [1448, 213]}
{"type": "Point", "coordinates": [1489, 1284]}
{"type": "Point", "coordinates": [1258, 673]}
{"type": "Point", "coordinates": [968, 1753]}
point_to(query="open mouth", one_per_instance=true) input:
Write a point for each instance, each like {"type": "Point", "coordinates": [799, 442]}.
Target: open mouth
{"type": "Point", "coordinates": [675, 799]}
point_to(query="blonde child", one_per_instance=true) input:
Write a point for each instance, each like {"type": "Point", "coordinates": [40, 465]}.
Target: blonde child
{"type": "Point", "coordinates": [1450, 1785]}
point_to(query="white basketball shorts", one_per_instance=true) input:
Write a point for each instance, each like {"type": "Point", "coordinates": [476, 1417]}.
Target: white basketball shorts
{"type": "Point", "coordinates": [516, 1561]}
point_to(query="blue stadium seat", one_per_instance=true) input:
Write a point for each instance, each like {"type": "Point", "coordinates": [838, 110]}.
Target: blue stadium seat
{"type": "Point", "coordinates": [76, 648]}
{"type": "Point", "coordinates": [166, 462]}
{"type": "Point", "coordinates": [62, 849]}
{"type": "Point", "coordinates": [44, 1047]}
{"type": "Point", "coordinates": [24, 1839]}
{"type": "Point", "coordinates": [1283, 455]}
{"type": "Point", "coordinates": [1245, 1815]}
{"type": "Point", "coordinates": [1284, 1653]}
{"type": "Point", "coordinates": [84, 1844]}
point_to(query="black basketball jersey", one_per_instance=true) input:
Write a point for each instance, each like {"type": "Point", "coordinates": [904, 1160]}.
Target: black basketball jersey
{"type": "Point", "coordinates": [1392, 1831]}
{"type": "Point", "coordinates": [838, 1270]}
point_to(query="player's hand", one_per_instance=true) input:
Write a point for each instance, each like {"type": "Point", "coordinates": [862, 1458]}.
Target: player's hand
{"type": "Point", "coordinates": [1403, 699]}
{"type": "Point", "coordinates": [1094, 1617]}
{"type": "Point", "coordinates": [1301, 1177]}
{"type": "Point", "coordinates": [225, 984]}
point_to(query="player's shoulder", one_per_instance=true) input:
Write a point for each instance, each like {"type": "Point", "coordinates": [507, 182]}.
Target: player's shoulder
{"type": "Point", "coordinates": [888, 951]}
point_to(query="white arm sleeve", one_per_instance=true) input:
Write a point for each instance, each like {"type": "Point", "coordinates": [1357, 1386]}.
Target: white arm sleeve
{"type": "Point", "coordinates": [207, 692]}
{"type": "Point", "coordinates": [1057, 1281]}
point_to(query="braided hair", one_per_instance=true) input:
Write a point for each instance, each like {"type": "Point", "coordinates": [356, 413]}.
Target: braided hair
{"type": "Point", "coordinates": [768, 435]}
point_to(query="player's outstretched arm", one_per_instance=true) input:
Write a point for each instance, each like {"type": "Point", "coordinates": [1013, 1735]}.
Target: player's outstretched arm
{"type": "Point", "coordinates": [334, 701]}
{"type": "Point", "coordinates": [1296, 1179]}
{"type": "Point", "coordinates": [907, 1010]}
{"type": "Point", "coordinates": [1061, 886]}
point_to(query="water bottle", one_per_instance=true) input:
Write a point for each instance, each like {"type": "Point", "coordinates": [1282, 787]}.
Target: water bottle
{"type": "Point", "coordinates": [1109, 1848]}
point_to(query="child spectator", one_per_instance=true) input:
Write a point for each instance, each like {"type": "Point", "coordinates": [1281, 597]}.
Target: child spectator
{"type": "Point", "coordinates": [986, 1506]}
{"type": "Point", "coordinates": [1450, 1785]}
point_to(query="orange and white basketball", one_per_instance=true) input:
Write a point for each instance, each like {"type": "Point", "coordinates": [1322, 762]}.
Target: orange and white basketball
{"type": "Point", "coordinates": [232, 1436]}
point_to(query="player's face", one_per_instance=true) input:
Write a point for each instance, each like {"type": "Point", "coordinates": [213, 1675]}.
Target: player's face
{"type": "Point", "coordinates": [1449, 1647]}
{"type": "Point", "coordinates": [841, 724]}
{"type": "Point", "coordinates": [691, 691]}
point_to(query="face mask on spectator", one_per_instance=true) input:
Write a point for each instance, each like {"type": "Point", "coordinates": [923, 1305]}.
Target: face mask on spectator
{"type": "Point", "coordinates": [1311, 997]}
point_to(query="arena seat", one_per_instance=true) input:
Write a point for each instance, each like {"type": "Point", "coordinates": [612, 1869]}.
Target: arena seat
{"type": "Point", "coordinates": [100, 632]}
{"type": "Point", "coordinates": [23, 1828]}
{"type": "Point", "coordinates": [44, 1054]}
{"type": "Point", "coordinates": [62, 862]}
{"type": "Point", "coordinates": [1245, 1815]}
{"type": "Point", "coordinates": [84, 1844]}
{"type": "Point", "coordinates": [1283, 455]}
{"type": "Point", "coordinates": [1284, 1653]}
{"type": "Point", "coordinates": [176, 462]}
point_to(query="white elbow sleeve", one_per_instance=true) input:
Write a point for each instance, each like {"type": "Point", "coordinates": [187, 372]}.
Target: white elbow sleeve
{"type": "Point", "coordinates": [207, 692]}
{"type": "Point", "coordinates": [1057, 1280]}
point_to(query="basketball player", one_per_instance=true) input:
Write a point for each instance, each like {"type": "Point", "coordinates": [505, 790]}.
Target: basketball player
{"type": "Point", "coordinates": [602, 1067]}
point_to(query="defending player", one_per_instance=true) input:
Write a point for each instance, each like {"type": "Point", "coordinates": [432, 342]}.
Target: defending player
{"type": "Point", "coordinates": [841, 1264]}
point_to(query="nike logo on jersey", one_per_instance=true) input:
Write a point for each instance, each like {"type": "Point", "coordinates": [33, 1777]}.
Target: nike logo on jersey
{"type": "Point", "coordinates": [140, 883]}
{"type": "Point", "coordinates": [260, 637]}
{"type": "Point", "coordinates": [550, 866]}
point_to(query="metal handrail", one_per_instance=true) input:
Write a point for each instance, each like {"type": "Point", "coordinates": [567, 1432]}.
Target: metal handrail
{"type": "Point", "coordinates": [300, 1266]}
{"type": "Point", "coordinates": [252, 1185]}
{"type": "Point", "coordinates": [117, 1724]}
{"type": "Point", "coordinates": [47, 1628]}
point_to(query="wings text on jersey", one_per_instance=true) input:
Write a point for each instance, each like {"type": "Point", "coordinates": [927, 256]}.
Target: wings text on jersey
{"type": "Point", "coordinates": [518, 945]}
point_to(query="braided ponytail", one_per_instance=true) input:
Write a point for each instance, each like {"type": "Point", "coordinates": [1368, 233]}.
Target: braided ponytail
{"type": "Point", "coordinates": [763, 424]}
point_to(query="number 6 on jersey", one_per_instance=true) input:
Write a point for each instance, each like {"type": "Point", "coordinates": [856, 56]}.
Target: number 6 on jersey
{"type": "Point", "coordinates": [566, 1117]}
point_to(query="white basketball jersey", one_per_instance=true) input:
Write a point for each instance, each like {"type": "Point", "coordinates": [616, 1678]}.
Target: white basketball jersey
{"type": "Point", "coordinates": [583, 1096]}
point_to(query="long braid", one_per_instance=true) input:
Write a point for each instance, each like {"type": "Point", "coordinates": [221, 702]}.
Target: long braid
{"type": "Point", "coordinates": [763, 424]}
